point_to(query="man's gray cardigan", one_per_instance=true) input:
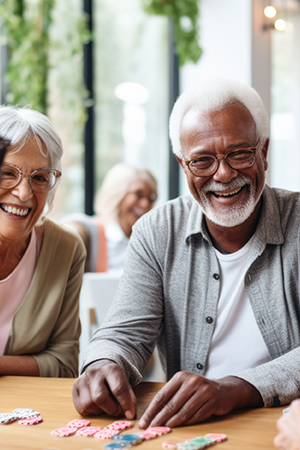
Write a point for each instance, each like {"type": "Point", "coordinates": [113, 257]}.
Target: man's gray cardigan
{"type": "Point", "coordinates": [170, 289]}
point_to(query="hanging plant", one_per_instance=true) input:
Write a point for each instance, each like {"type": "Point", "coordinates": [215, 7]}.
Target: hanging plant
{"type": "Point", "coordinates": [26, 27]}
{"type": "Point", "coordinates": [185, 14]}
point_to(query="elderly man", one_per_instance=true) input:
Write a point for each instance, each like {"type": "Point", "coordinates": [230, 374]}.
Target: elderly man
{"type": "Point", "coordinates": [212, 278]}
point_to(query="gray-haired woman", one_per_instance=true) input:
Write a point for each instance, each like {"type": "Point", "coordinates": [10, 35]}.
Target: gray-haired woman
{"type": "Point", "coordinates": [41, 262]}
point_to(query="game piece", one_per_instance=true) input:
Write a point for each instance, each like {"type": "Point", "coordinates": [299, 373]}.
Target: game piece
{"type": "Point", "coordinates": [286, 410]}
{"type": "Point", "coordinates": [21, 411]}
{"type": "Point", "coordinates": [196, 443]}
{"type": "Point", "coordinates": [64, 431]}
{"type": "Point", "coordinates": [6, 418]}
{"type": "Point", "coordinates": [118, 426]}
{"type": "Point", "coordinates": [88, 431]}
{"type": "Point", "coordinates": [105, 434]}
{"type": "Point", "coordinates": [78, 423]}
{"type": "Point", "coordinates": [26, 414]}
{"type": "Point", "coordinates": [31, 420]}
{"type": "Point", "coordinates": [218, 437]}
{"type": "Point", "coordinates": [159, 430]}
{"type": "Point", "coordinates": [133, 439]}
{"type": "Point", "coordinates": [148, 434]}
{"type": "Point", "coordinates": [169, 445]}
{"type": "Point", "coordinates": [117, 445]}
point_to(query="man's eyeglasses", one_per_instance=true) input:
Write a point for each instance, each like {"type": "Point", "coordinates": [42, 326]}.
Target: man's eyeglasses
{"type": "Point", "coordinates": [207, 165]}
{"type": "Point", "coordinates": [41, 180]}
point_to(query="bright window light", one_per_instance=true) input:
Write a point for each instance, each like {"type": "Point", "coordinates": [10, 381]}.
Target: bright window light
{"type": "Point", "coordinates": [270, 12]}
{"type": "Point", "coordinates": [132, 93]}
{"type": "Point", "coordinates": [279, 25]}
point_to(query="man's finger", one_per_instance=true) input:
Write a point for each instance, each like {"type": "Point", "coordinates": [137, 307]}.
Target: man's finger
{"type": "Point", "coordinates": [122, 392]}
{"type": "Point", "coordinates": [82, 399]}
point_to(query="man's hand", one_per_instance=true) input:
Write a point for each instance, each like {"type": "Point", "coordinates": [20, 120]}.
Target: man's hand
{"type": "Point", "coordinates": [188, 398]}
{"type": "Point", "coordinates": [104, 388]}
{"type": "Point", "coordinates": [288, 426]}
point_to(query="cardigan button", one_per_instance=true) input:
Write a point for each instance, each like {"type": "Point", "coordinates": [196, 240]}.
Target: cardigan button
{"type": "Point", "coordinates": [216, 276]}
{"type": "Point", "coordinates": [199, 366]}
{"type": "Point", "coordinates": [209, 319]}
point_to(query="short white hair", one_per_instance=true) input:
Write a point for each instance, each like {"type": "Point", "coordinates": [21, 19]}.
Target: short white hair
{"type": "Point", "coordinates": [18, 125]}
{"type": "Point", "coordinates": [115, 187]}
{"type": "Point", "coordinates": [214, 95]}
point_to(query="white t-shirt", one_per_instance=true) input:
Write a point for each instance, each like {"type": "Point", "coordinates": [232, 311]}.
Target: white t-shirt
{"type": "Point", "coordinates": [237, 343]}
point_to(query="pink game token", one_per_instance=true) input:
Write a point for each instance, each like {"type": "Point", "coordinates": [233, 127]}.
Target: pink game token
{"type": "Point", "coordinates": [159, 430]}
{"type": "Point", "coordinates": [148, 434]}
{"type": "Point", "coordinates": [88, 431]}
{"type": "Point", "coordinates": [31, 420]}
{"type": "Point", "coordinates": [168, 445]}
{"type": "Point", "coordinates": [78, 423]}
{"type": "Point", "coordinates": [216, 437]}
{"type": "Point", "coordinates": [106, 433]}
{"type": "Point", "coordinates": [118, 426]}
{"type": "Point", "coordinates": [64, 431]}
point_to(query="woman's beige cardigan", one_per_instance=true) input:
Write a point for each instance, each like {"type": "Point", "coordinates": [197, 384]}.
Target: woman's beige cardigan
{"type": "Point", "coordinates": [46, 325]}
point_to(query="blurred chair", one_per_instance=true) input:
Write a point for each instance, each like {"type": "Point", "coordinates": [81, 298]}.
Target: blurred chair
{"type": "Point", "coordinates": [97, 293]}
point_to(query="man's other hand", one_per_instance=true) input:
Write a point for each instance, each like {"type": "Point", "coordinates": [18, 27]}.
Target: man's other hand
{"type": "Point", "coordinates": [104, 388]}
{"type": "Point", "coordinates": [188, 398]}
{"type": "Point", "coordinates": [288, 437]}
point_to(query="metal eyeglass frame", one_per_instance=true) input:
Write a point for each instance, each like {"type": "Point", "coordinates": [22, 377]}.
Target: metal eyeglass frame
{"type": "Point", "coordinates": [56, 173]}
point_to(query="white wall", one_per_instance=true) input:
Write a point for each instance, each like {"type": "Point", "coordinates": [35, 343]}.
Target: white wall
{"type": "Point", "coordinates": [234, 46]}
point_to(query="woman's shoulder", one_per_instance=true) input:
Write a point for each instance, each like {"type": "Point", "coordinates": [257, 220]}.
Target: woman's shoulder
{"type": "Point", "coordinates": [60, 236]}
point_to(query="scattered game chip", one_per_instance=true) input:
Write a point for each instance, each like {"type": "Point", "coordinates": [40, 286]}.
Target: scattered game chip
{"type": "Point", "coordinates": [196, 443]}
{"type": "Point", "coordinates": [21, 411]}
{"type": "Point", "coordinates": [31, 420]}
{"type": "Point", "coordinates": [64, 431]}
{"type": "Point", "coordinates": [28, 414]}
{"type": "Point", "coordinates": [148, 434]}
{"type": "Point", "coordinates": [106, 434]}
{"type": "Point", "coordinates": [88, 431]}
{"type": "Point", "coordinates": [6, 418]}
{"type": "Point", "coordinates": [118, 426]}
{"type": "Point", "coordinates": [159, 430]}
{"type": "Point", "coordinates": [218, 437]}
{"type": "Point", "coordinates": [169, 445]}
{"type": "Point", "coordinates": [133, 439]}
{"type": "Point", "coordinates": [78, 423]}
{"type": "Point", "coordinates": [116, 446]}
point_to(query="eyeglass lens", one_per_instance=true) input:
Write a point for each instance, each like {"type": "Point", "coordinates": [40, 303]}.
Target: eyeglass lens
{"type": "Point", "coordinates": [238, 159]}
{"type": "Point", "coordinates": [40, 181]}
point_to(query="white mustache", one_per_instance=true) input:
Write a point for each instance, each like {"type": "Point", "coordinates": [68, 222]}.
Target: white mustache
{"type": "Point", "coordinates": [214, 186]}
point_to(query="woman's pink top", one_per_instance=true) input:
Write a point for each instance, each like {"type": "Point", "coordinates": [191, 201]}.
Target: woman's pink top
{"type": "Point", "coordinates": [14, 288]}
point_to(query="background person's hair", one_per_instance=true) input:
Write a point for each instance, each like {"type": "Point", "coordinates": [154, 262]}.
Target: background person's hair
{"type": "Point", "coordinates": [214, 95]}
{"type": "Point", "coordinates": [18, 125]}
{"type": "Point", "coordinates": [116, 185]}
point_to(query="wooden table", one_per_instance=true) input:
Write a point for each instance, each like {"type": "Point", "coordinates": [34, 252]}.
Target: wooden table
{"type": "Point", "coordinates": [246, 429]}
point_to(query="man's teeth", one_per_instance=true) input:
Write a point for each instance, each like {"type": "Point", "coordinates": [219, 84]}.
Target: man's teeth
{"type": "Point", "coordinates": [229, 194]}
{"type": "Point", "coordinates": [16, 211]}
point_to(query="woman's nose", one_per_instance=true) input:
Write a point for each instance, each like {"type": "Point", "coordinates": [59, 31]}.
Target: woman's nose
{"type": "Point", "coordinates": [23, 190]}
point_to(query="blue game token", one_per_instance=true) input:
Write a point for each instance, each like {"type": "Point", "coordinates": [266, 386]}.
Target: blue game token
{"type": "Point", "coordinates": [117, 445]}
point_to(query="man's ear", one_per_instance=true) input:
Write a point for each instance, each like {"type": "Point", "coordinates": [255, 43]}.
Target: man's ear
{"type": "Point", "coordinates": [180, 161]}
{"type": "Point", "coordinates": [265, 152]}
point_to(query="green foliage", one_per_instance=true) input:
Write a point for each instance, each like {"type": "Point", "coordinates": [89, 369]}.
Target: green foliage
{"type": "Point", "coordinates": [185, 14]}
{"type": "Point", "coordinates": [26, 30]}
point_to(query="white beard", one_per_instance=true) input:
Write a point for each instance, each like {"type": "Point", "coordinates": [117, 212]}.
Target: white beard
{"type": "Point", "coordinates": [233, 215]}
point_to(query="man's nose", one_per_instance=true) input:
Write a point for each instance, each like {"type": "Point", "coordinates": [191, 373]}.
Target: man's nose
{"type": "Point", "coordinates": [225, 173]}
{"type": "Point", "coordinates": [23, 190]}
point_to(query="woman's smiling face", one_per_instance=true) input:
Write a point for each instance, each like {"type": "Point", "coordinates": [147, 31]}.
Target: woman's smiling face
{"type": "Point", "coordinates": [20, 207]}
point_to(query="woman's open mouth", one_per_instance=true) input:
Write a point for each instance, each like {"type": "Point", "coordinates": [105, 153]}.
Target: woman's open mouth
{"type": "Point", "coordinates": [15, 211]}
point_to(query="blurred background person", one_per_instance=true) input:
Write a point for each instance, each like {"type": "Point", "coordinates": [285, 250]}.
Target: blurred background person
{"type": "Point", "coordinates": [126, 194]}
{"type": "Point", "coordinates": [288, 437]}
{"type": "Point", "coordinates": [41, 262]}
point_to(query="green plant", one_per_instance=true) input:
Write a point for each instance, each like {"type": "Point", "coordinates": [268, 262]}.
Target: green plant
{"type": "Point", "coordinates": [185, 14]}
{"type": "Point", "coordinates": [26, 29]}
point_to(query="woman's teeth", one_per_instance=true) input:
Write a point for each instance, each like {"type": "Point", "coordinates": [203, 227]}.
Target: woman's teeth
{"type": "Point", "coordinates": [16, 211]}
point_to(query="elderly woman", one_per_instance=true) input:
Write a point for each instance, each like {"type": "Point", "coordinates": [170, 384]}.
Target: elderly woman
{"type": "Point", "coordinates": [41, 262]}
{"type": "Point", "coordinates": [126, 194]}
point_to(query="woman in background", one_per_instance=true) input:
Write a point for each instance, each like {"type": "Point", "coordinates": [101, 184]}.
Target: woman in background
{"type": "Point", "coordinates": [41, 262]}
{"type": "Point", "coordinates": [126, 194]}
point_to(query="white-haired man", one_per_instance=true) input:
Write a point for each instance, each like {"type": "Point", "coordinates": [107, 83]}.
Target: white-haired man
{"type": "Point", "coordinates": [212, 278]}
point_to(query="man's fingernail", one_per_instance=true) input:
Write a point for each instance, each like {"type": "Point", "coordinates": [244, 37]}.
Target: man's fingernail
{"type": "Point", "coordinates": [129, 415]}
